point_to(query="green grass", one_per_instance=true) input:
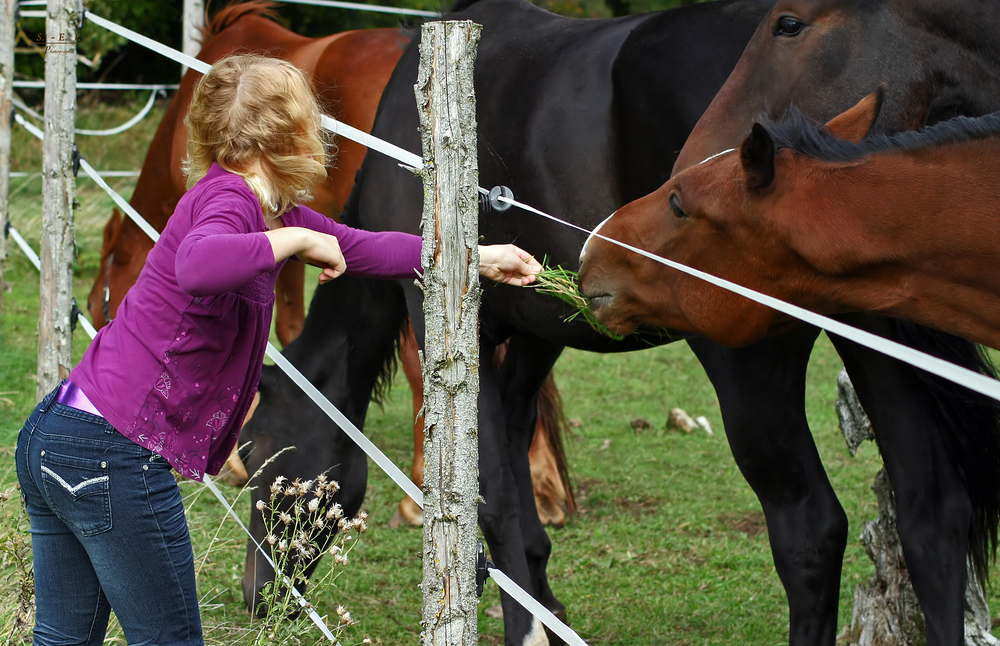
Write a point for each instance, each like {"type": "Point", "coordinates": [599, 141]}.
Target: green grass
{"type": "Point", "coordinates": [668, 546]}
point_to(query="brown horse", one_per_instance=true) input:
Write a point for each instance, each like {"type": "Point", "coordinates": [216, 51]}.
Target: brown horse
{"type": "Point", "coordinates": [903, 226]}
{"type": "Point", "coordinates": [348, 71]}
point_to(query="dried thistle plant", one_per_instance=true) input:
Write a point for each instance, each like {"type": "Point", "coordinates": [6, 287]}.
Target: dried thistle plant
{"type": "Point", "coordinates": [299, 517]}
{"type": "Point", "coordinates": [18, 575]}
{"type": "Point", "coordinates": [564, 284]}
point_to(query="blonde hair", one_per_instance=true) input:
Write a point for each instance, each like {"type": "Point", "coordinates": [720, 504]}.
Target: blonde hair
{"type": "Point", "coordinates": [250, 108]}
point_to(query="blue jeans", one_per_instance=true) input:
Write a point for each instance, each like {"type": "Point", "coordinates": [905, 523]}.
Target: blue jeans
{"type": "Point", "coordinates": [108, 531]}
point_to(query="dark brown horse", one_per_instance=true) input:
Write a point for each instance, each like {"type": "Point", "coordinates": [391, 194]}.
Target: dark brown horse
{"type": "Point", "coordinates": [904, 226]}
{"type": "Point", "coordinates": [939, 60]}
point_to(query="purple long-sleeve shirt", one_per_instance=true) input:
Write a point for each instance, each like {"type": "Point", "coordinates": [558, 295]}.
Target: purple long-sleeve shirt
{"type": "Point", "coordinates": [176, 370]}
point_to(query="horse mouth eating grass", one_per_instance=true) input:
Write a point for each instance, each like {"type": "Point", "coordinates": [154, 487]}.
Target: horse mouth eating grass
{"type": "Point", "coordinates": [564, 284]}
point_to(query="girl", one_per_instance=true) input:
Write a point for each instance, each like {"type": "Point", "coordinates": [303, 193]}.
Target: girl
{"type": "Point", "coordinates": [166, 385]}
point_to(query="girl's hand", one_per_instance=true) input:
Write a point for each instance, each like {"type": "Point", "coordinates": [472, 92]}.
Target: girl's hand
{"type": "Point", "coordinates": [312, 247]}
{"type": "Point", "coordinates": [324, 252]}
{"type": "Point", "coordinates": [506, 263]}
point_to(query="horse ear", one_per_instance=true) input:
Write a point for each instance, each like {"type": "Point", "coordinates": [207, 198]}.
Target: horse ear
{"type": "Point", "coordinates": [757, 154]}
{"type": "Point", "coordinates": [854, 124]}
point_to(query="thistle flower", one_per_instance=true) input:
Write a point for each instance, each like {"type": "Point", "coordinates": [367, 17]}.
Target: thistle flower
{"type": "Point", "coordinates": [261, 505]}
{"type": "Point", "coordinates": [303, 487]}
{"type": "Point", "coordinates": [278, 483]}
{"type": "Point", "coordinates": [313, 505]}
{"type": "Point", "coordinates": [285, 517]}
{"type": "Point", "coordinates": [271, 539]}
{"type": "Point", "coordinates": [291, 490]}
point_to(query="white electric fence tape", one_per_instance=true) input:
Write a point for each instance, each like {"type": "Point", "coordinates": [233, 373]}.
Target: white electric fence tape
{"type": "Point", "coordinates": [40, 85]}
{"type": "Point", "coordinates": [538, 610]}
{"type": "Point", "coordinates": [20, 105]}
{"type": "Point", "coordinates": [367, 7]}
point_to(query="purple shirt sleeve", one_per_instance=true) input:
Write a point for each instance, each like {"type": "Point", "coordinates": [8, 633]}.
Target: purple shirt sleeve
{"type": "Point", "coordinates": [222, 250]}
{"type": "Point", "coordinates": [378, 254]}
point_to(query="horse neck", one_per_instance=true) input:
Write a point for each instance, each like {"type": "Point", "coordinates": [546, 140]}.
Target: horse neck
{"type": "Point", "coordinates": [905, 234]}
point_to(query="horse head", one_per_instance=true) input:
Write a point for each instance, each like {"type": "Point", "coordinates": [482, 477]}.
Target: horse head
{"type": "Point", "coordinates": [823, 55]}
{"type": "Point", "coordinates": [717, 217]}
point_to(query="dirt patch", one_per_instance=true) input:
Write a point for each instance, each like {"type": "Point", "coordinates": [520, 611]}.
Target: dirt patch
{"type": "Point", "coordinates": [750, 523]}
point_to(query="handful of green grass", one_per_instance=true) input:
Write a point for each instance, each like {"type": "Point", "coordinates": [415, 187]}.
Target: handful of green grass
{"type": "Point", "coordinates": [564, 284]}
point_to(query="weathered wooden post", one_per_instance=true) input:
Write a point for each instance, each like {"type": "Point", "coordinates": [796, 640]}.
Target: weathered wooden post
{"type": "Point", "coordinates": [194, 17]}
{"type": "Point", "coordinates": [58, 195]}
{"type": "Point", "coordinates": [450, 257]}
{"type": "Point", "coordinates": [6, 91]}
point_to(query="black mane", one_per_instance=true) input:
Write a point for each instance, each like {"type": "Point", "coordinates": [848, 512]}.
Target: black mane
{"type": "Point", "coordinates": [795, 132]}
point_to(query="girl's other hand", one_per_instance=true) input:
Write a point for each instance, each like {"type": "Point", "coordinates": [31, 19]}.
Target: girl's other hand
{"type": "Point", "coordinates": [312, 247]}
{"type": "Point", "coordinates": [506, 263]}
{"type": "Point", "coordinates": [324, 252]}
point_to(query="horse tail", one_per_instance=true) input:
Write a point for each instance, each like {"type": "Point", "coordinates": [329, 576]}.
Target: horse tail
{"type": "Point", "coordinates": [972, 421]}
{"type": "Point", "coordinates": [552, 421]}
{"type": "Point", "coordinates": [230, 14]}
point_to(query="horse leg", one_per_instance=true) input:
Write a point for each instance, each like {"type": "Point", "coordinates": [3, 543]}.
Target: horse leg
{"type": "Point", "coordinates": [409, 512]}
{"type": "Point", "coordinates": [761, 392]}
{"type": "Point", "coordinates": [932, 506]}
{"type": "Point", "coordinates": [289, 302]}
{"type": "Point", "coordinates": [526, 367]}
{"type": "Point", "coordinates": [501, 514]}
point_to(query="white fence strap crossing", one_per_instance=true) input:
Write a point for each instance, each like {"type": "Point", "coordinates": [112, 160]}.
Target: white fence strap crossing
{"type": "Point", "coordinates": [962, 376]}
{"type": "Point", "coordinates": [26, 248]}
{"type": "Point", "coordinates": [40, 85]}
{"type": "Point", "coordinates": [313, 615]}
{"type": "Point", "coordinates": [387, 465]}
{"type": "Point", "coordinates": [407, 158]}
{"type": "Point", "coordinates": [149, 43]}
{"type": "Point", "coordinates": [120, 201]}
{"type": "Point", "coordinates": [329, 123]}
{"type": "Point", "coordinates": [366, 7]}
{"type": "Point", "coordinates": [20, 105]}
{"type": "Point", "coordinates": [538, 610]}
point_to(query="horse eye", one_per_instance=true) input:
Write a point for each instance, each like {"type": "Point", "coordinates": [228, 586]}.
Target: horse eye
{"type": "Point", "coordinates": [788, 26]}
{"type": "Point", "coordinates": [675, 206]}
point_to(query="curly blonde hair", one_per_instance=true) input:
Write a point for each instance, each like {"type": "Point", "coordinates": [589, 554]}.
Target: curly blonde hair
{"type": "Point", "coordinates": [250, 108]}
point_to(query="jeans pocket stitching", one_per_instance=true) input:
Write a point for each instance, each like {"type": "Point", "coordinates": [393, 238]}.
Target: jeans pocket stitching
{"type": "Point", "coordinates": [67, 486]}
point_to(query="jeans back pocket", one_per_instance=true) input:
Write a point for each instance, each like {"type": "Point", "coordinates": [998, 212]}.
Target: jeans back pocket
{"type": "Point", "coordinates": [78, 491]}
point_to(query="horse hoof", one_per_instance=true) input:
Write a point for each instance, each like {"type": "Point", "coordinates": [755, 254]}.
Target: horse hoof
{"type": "Point", "coordinates": [554, 639]}
{"type": "Point", "coordinates": [407, 513]}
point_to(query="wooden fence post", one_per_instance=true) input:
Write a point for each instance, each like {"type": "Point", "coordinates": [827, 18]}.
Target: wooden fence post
{"type": "Point", "coordinates": [450, 257]}
{"type": "Point", "coordinates": [6, 91]}
{"type": "Point", "coordinates": [58, 195]}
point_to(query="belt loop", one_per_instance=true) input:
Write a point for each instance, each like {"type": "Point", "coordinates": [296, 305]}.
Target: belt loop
{"type": "Point", "coordinates": [48, 399]}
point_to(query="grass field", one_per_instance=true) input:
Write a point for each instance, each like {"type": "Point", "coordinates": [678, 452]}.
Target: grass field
{"type": "Point", "coordinates": [669, 544]}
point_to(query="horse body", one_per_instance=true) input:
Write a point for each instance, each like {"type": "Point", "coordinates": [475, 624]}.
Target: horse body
{"type": "Point", "coordinates": [556, 98]}
{"type": "Point", "coordinates": [822, 56]}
